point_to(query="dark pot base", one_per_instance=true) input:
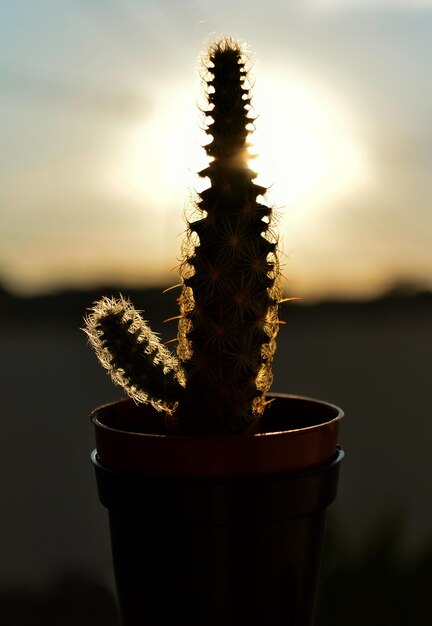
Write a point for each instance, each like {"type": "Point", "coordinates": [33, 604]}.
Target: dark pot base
{"type": "Point", "coordinates": [217, 552]}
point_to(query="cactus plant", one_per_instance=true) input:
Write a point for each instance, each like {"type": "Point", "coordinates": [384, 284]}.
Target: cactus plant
{"type": "Point", "coordinates": [230, 285]}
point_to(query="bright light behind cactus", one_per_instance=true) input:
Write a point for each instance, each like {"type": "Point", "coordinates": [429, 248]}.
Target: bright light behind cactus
{"type": "Point", "coordinates": [315, 156]}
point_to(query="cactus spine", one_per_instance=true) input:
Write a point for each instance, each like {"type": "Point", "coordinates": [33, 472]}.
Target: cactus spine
{"type": "Point", "coordinates": [230, 279]}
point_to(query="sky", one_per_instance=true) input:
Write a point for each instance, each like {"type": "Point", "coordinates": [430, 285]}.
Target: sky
{"type": "Point", "coordinates": [101, 138]}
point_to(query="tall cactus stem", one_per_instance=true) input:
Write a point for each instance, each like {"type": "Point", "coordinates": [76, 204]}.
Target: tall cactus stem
{"type": "Point", "coordinates": [230, 272]}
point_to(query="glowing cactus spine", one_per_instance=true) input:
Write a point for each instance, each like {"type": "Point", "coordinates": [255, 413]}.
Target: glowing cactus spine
{"type": "Point", "coordinates": [230, 285]}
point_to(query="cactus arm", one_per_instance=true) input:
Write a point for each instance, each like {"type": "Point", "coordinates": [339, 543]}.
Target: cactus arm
{"type": "Point", "coordinates": [133, 355]}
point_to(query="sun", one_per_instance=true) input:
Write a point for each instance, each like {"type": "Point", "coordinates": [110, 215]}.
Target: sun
{"type": "Point", "coordinates": [308, 151]}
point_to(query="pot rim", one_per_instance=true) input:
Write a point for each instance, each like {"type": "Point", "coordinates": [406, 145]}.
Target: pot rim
{"type": "Point", "coordinates": [273, 451]}
{"type": "Point", "coordinates": [196, 438]}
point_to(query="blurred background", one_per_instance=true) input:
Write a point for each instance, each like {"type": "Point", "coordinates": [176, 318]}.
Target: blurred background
{"type": "Point", "coordinates": [101, 140]}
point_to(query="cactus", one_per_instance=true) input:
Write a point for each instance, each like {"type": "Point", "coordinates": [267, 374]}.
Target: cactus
{"type": "Point", "coordinates": [230, 285]}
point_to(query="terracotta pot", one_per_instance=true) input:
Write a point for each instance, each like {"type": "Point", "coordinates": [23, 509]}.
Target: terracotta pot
{"type": "Point", "coordinates": [218, 530]}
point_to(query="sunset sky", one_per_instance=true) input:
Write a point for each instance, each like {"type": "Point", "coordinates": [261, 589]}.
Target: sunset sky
{"type": "Point", "coordinates": [100, 138]}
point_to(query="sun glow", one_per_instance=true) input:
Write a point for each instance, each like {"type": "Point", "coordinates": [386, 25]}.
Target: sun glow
{"type": "Point", "coordinates": [163, 155]}
{"type": "Point", "coordinates": [306, 145]}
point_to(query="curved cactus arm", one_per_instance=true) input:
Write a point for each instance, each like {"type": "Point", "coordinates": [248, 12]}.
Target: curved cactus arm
{"type": "Point", "coordinates": [133, 354]}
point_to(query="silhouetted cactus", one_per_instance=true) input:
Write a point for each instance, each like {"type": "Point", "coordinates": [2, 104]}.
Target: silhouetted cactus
{"type": "Point", "coordinates": [230, 284]}
{"type": "Point", "coordinates": [230, 295]}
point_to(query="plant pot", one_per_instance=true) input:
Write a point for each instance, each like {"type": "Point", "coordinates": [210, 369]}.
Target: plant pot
{"type": "Point", "coordinates": [218, 531]}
